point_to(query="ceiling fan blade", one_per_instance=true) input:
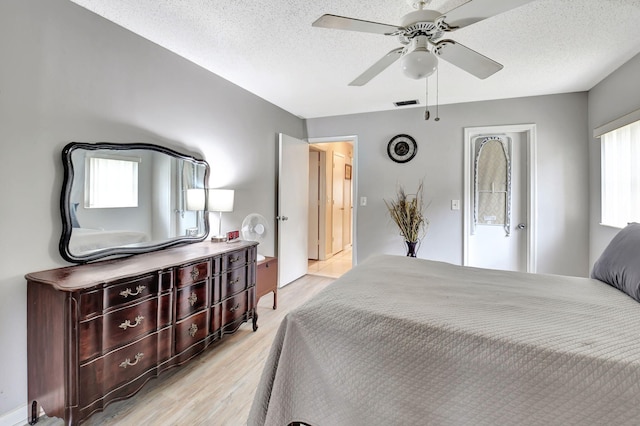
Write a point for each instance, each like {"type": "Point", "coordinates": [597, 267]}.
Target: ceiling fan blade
{"type": "Point", "coordinates": [378, 67]}
{"type": "Point", "coordinates": [351, 24]}
{"type": "Point", "coordinates": [467, 59]}
{"type": "Point", "coordinates": [476, 10]}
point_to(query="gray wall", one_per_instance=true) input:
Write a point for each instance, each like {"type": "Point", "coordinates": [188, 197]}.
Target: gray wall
{"type": "Point", "coordinates": [69, 75]}
{"type": "Point", "coordinates": [613, 97]}
{"type": "Point", "coordinates": [562, 174]}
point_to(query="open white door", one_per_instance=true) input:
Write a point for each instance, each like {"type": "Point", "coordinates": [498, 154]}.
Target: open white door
{"type": "Point", "coordinates": [293, 216]}
{"type": "Point", "coordinates": [500, 198]}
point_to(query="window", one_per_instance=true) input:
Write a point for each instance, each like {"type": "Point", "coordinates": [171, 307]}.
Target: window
{"type": "Point", "coordinates": [111, 182]}
{"type": "Point", "coordinates": [621, 175]}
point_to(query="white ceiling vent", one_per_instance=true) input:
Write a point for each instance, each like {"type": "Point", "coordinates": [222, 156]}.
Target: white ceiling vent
{"type": "Point", "coordinates": [406, 103]}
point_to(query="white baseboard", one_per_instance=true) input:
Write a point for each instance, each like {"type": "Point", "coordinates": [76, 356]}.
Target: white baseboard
{"type": "Point", "coordinates": [16, 417]}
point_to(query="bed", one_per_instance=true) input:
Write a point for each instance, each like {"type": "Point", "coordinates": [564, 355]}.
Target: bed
{"type": "Point", "coordinates": [405, 341]}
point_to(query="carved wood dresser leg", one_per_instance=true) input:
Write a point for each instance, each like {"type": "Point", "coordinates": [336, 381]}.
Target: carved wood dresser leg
{"type": "Point", "coordinates": [255, 320]}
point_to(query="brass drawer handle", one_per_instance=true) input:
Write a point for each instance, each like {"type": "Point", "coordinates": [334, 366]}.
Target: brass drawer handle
{"type": "Point", "coordinates": [193, 298]}
{"type": "Point", "coordinates": [128, 324]}
{"type": "Point", "coordinates": [127, 362]}
{"type": "Point", "coordinates": [234, 259]}
{"type": "Point", "coordinates": [127, 292]}
{"type": "Point", "coordinates": [194, 273]}
{"type": "Point", "coordinates": [193, 330]}
{"type": "Point", "coordinates": [235, 308]}
{"type": "Point", "coordinates": [232, 282]}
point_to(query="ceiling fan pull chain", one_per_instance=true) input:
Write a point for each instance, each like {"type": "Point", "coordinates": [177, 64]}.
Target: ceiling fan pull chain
{"type": "Point", "coordinates": [437, 96]}
{"type": "Point", "coordinates": [426, 109]}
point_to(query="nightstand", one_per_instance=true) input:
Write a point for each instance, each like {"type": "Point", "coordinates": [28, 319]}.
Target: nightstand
{"type": "Point", "coordinates": [267, 279]}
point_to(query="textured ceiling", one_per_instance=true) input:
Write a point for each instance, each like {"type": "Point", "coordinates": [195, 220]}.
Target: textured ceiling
{"type": "Point", "coordinates": [270, 48]}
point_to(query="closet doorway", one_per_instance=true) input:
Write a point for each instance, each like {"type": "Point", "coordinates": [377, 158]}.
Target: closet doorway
{"type": "Point", "coordinates": [331, 212]}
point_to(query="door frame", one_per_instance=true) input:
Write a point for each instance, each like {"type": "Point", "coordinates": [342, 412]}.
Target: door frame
{"type": "Point", "coordinates": [333, 202]}
{"type": "Point", "coordinates": [314, 174]}
{"type": "Point", "coordinates": [354, 185]}
{"type": "Point", "coordinates": [529, 130]}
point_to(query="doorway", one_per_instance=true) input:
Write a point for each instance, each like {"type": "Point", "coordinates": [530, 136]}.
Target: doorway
{"type": "Point", "coordinates": [331, 210]}
{"type": "Point", "coordinates": [500, 197]}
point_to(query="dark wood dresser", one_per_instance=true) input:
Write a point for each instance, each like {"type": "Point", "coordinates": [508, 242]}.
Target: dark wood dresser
{"type": "Point", "coordinates": [98, 332]}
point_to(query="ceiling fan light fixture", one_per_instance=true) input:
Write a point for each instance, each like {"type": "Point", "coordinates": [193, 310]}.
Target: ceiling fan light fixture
{"type": "Point", "coordinates": [420, 63]}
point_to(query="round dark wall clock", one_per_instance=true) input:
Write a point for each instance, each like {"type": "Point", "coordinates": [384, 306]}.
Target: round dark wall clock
{"type": "Point", "coordinates": [402, 148]}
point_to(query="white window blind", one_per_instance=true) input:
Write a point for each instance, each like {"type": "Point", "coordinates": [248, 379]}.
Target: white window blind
{"type": "Point", "coordinates": [620, 164]}
{"type": "Point", "coordinates": [111, 182]}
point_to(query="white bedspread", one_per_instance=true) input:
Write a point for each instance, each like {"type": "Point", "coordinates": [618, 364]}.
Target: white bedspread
{"type": "Point", "coordinates": [403, 341]}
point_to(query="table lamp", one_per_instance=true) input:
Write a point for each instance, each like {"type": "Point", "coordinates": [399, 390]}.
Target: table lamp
{"type": "Point", "coordinates": [219, 200]}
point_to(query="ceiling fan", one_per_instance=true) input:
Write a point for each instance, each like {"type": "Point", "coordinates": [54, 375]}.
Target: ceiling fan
{"type": "Point", "coordinates": [422, 29]}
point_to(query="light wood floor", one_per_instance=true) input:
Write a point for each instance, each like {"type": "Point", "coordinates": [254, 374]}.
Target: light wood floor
{"type": "Point", "coordinates": [333, 267]}
{"type": "Point", "coordinates": [216, 387]}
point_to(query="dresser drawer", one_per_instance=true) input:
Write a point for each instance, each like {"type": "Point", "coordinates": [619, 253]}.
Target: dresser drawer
{"type": "Point", "coordinates": [235, 259]}
{"type": "Point", "coordinates": [122, 326]}
{"type": "Point", "coordinates": [191, 330]}
{"type": "Point", "coordinates": [233, 281]}
{"type": "Point", "coordinates": [95, 302]}
{"type": "Point", "coordinates": [234, 308]}
{"type": "Point", "coordinates": [106, 373]}
{"type": "Point", "coordinates": [190, 274]}
{"type": "Point", "coordinates": [191, 299]}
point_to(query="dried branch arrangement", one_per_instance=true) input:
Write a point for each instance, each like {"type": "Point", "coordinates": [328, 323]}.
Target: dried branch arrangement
{"type": "Point", "coordinates": [407, 211]}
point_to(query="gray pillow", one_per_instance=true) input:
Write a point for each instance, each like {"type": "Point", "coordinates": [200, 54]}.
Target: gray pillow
{"type": "Point", "coordinates": [619, 264]}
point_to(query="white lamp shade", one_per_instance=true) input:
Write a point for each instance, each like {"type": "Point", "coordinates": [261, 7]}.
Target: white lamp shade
{"type": "Point", "coordinates": [195, 199]}
{"type": "Point", "coordinates": [220, 200]}
{"type": "Point", "coordinates": [419, 64]}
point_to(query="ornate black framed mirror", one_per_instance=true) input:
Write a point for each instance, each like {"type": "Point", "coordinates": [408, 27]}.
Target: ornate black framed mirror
{"type": "Point", "coordinates": [124, 199]}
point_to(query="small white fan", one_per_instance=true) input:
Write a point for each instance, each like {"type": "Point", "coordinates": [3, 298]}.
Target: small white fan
{"type": "Point", "coordinates": [255, 228]}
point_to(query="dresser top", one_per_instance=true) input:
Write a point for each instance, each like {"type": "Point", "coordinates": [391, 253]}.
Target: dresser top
{"type": "Point", "coordinates": [72, 278]}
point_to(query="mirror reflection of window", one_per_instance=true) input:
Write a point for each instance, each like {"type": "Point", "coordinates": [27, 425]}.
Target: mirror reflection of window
{"type": "Point", "coordinates": [111, 182]}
